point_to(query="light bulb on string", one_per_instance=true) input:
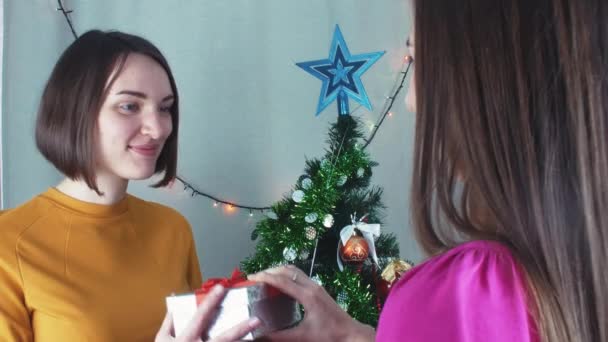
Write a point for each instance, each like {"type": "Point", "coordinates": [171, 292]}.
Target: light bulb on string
{"type": "Point", "coordinates": [228, 208]}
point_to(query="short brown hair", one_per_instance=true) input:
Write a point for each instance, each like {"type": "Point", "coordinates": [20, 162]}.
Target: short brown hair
{"type": "Point", "coordinates": [73, 97]}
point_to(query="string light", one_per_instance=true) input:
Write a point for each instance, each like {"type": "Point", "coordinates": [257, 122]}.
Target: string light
{"type": "Point", "coordinates": [216, 201]}
{"type": "Point", "coordinates": [373, 127]}
{"type": "Point", "coordinates": [66, 15]}
{"type": "Point", "coordinates": [388, 105]}
{"type": "Point", "coordinates": [390, 100]}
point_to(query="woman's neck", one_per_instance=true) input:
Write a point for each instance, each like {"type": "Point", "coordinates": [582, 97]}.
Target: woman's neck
{"type": "Point", "coordinates": [112, 191]}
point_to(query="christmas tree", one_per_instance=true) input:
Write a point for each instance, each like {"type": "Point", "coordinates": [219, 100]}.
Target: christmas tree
{"type": "Point", "coordinates": [305, 227]}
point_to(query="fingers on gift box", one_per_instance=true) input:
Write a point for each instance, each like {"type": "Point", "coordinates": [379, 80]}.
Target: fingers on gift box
{"type": "Point", "coordinates": [244, 299]}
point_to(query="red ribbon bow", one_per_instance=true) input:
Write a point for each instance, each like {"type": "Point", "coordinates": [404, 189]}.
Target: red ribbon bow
{"type": "Point", "coordinates": [237, 278]}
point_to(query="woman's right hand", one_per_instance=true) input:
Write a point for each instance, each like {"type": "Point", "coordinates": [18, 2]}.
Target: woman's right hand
{"type": "Point", "coordinates": [202, 319]}
{"type": "Point", "coordinates": [324, 320]}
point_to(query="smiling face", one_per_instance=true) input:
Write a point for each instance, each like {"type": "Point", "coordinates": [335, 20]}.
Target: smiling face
{"type": "Point", "coordinates": [134, 121]}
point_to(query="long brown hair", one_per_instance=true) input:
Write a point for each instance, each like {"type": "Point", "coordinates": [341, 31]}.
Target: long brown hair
{"type": "Point", "coordinates": [512, 117]}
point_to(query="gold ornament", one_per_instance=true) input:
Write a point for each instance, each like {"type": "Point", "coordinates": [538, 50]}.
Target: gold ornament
{"type": "Point", "coordinates": [394, 270]}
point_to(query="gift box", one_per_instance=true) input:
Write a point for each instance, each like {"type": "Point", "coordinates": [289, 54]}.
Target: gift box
{"type": "Point", "coordinates": [244, 299]}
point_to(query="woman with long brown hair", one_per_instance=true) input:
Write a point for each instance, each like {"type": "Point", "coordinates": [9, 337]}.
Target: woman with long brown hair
{"type": "Point", "coordinates": [510, 186]}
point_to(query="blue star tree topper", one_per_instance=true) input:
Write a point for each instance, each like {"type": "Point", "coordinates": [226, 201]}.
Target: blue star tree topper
{"type": "Point", "coordinates": [341, 75]}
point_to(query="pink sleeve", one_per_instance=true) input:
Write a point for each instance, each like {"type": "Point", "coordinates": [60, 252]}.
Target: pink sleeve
{"type": "Point", "coordinates": [475, 292]}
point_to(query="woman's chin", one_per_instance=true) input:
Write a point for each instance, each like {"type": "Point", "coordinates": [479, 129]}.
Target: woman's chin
{"type": "Point", "coordinates": [140, 174]}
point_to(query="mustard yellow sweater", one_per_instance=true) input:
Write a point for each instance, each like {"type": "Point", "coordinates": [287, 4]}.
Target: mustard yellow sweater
{"type": "Point", "coordinates": [77, 271]}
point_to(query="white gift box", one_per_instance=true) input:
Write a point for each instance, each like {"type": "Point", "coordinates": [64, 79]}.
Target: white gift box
{"type": "Point", "coordinates": [275, 309]}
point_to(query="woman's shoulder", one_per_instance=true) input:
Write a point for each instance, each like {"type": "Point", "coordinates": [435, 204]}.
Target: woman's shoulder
{"type": "Point", "coordinates": [477, 290]}
{"type": "Point", "coordinates": [28, 219]}
{"type": "Point", "coordinates": [24, 215]}
{"type": "Point", "coordinates": [153, 212]}
{"type": "Point", "coordinates": [461, 260]}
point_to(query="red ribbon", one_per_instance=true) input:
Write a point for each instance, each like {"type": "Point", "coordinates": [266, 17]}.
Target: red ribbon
{"type": "Point", "coordinates": [237, 279]}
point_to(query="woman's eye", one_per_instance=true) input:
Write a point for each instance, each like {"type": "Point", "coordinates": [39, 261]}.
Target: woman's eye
{"type": "Point", "coordinates": [129, 107]}
{"type": "Point", "coordinates": [165, 109]}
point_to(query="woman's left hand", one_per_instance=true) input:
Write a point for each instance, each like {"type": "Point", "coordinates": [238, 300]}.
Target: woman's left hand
{"type": "Point", "coordinates": [323, 319]}
{"type": "Point", "coordinates": [202, 319]}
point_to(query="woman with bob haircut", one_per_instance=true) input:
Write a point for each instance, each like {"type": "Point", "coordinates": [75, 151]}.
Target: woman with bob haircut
{"type": "Point", "coordinates": [84, 260]}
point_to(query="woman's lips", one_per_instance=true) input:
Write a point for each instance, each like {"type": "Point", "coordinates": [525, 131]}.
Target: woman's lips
{"type": "Point", "coordinates": [145, 150]}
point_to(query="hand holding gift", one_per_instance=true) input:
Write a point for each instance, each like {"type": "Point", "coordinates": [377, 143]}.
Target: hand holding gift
{"type": "Point", "coordinates": [323, 320]}
{"type": "Point", "coordinates": [264, 307]}
{"type": "Point", "coordinates": [202, 319]}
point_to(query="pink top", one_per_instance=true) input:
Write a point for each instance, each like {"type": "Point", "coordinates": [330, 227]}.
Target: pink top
{"type": "Point", "coordinates": [474, 292]}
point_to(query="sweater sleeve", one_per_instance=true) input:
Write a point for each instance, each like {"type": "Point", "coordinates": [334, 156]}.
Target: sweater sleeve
{"type": "Point", "coordinates": [15, 323]}
{"type": "Point", "coordinates": [473, 293]}
{"type": "Point", "coordinates": [195, 279]}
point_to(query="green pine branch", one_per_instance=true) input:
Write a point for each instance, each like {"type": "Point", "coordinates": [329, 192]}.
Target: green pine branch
{"type": "Point", "coordinates": [338, 184]}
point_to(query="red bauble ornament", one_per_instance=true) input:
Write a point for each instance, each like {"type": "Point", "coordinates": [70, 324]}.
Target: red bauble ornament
{"type": "Point", "coordinates": [355, 251]}
{"type": "Point", "coordinates": [383, 287]}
